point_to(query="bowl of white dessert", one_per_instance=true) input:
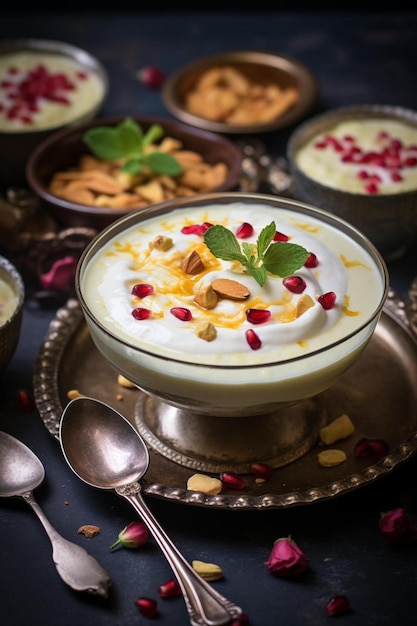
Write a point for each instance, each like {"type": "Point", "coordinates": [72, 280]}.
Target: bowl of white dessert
{"type": "Point", "coordinates": [360, 163]}
{"type": "Point", "coordinates": [45, 86]}
{"type": "Point", "coordinates": [231, 311]}
{"type": "Point", "coordinates": [12, 295]}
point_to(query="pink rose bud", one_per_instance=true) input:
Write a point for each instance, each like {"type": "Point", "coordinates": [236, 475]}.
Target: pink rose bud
{"type": "Point", "coordinates": [133, 535]}
{"type": "Point", "coordinates": [61, 275]}
{"type": "Point", "coordinates": [396, 526]}
{"type": "Point", "coordinates": [286, 558]}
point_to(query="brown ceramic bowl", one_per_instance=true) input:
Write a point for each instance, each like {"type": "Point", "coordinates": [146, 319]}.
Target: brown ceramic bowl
{"type": "Point", "coordinates": [62, 151]}
{"type": "Point", "coordinates": [261, 68]}
{"type": "Point", "coordinates": [389, 220]}
{"type": "Point", "coordinates": [17, 141]}
{"type": "Point", "coordinates": [10, 326]}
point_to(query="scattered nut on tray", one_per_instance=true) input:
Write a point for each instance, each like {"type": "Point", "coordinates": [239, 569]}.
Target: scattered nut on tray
{"type": "Point", "coordinates": [224, 94]}
{"type": "Point", "coordinates": [102, 183]}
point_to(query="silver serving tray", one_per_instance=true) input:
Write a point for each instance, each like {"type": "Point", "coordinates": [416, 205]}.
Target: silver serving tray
{"type": "Point", "coordinates": [379, 393]}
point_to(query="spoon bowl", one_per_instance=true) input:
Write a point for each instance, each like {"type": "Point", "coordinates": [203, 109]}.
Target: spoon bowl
{"type": "Point", "coordinates": [104, 450]}
{"type": "Point", "coordinates": [21, 471]}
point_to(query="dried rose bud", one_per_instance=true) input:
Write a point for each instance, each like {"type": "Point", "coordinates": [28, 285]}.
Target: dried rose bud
{"type": "Point", "coordinates": [61, 275]}
{"type": "Point", "coordinates": [337, 606]}
{"type": "Point", "coordinates": [286, 558]}
{"type": "Point", "coordinates": [151, 76]}
{"type": "Point", "coordinates": [169, 589]}
{"type": "Point", "coordinates": [133, 535]}
{"type": "Point", "coordinates": [147, 606]}
{"type": "Point", "coordinates": [396, 526]}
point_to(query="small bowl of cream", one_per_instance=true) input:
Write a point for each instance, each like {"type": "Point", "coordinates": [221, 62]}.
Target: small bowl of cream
{"type": "Point", "coordinates": [12, 295]}
{"type": "Point", "coordinates": [44, 86]}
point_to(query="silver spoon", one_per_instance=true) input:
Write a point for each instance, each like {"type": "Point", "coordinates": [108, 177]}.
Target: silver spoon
{"type": "Point", "coordinates": [105, 451]}
{"type": "Point", "coordinates": [21, 472]}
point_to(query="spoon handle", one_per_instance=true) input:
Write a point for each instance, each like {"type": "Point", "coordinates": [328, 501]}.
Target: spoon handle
{"type": "Point", "coordinates": [76, 566]}
{"type": "Point", "coordinates": [205, 606]}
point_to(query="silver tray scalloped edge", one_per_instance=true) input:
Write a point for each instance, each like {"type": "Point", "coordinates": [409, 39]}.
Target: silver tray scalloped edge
{"type": "Point", "coordinates": [64, 363]}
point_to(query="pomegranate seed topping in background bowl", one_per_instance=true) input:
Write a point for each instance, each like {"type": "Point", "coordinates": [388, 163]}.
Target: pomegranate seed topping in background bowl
{"type": "Point", "coordinates": [360, 163]}
{"type": "Point", "coordinates": [44, 86]}
{"type": "Point", "coordinates": [231, 360]}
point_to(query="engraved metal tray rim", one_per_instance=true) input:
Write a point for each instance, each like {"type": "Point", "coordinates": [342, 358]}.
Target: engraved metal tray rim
{"type": "Point", "coordinates": [48, 395]}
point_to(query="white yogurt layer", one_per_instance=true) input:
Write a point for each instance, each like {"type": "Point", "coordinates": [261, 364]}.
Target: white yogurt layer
{"type": "Point", "coordinates": [8, 302]}
{"type": "Point", "coordinates": [367, 156]}
{"type": "Point", "coordinates": [344, 268]}
{"type": "Point", "coordinates": [42, 90]}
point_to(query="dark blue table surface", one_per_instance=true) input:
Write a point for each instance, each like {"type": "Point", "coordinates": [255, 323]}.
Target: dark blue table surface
{"type": "Point", "coordinates": [358, 58]}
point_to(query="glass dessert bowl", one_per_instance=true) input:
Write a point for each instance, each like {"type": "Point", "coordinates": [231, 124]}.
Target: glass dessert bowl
{"type": "Point", "coordinates": [232, 312]}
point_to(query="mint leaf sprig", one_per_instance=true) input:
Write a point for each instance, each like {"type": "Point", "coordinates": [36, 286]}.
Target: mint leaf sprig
{"type": "Point", "coordinates": [278, 258]}
{"type": "Point", "coordinates": [128, 141]}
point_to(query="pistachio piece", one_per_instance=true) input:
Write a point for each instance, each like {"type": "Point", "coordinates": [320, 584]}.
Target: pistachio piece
{"type": "Point", "coordinates": [161, 243]}
{"type": "Point", "coordinates": [206, 331]}
{"type": "Point", "coordinates": [208, 571]}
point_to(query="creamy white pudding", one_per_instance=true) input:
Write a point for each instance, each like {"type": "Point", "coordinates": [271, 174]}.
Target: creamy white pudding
{"type": "Point", "coordinates": [41, 90]}
{"type": "Point", "coordinates": [9, 301]}
{"type": "Point", "coordinates": [153, 338]}
{"type": "Point", "coordinates": [364, 155]}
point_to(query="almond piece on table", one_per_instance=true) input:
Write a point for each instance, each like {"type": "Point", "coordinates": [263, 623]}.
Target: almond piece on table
{"type": "Point", "coordinates": [230, 289]}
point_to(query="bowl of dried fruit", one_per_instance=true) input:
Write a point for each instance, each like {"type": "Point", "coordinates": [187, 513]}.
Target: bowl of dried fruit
{"type": "Point", "coordinates": [44, 86]}
{"type": "Point", "coordinates": [241, 92]}
{"type": "Point", "coordinates": [96, 173]}
{"type": "Point", "coordinates": [360, 163]}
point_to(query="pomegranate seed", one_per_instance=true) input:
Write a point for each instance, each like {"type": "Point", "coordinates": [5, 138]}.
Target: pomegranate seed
{"type": "Point", "coordinates": [337, 606]}
{"type": "Point", "coordinates": [196, 229]}
{"type": "Point", "coordinates": [327, 300]}
{"type": "Point", "coordinates": [312, 260]}
{"type": "Point", "coordinates": [141, 290]}
{"type": "Point", "coordinates": [232, 480]}
{"type": "Point", "coordinates": [262, 470]}
{"type": "Point", "coordinates": [244, 231]}
{"type": "Point", "coordinates": [258, 316]}
{"type": "Point", "coordinates": [181, 313]}
{"type": "Point", "coordinates": [253, 340]}
{"type": "Point", "coordinates": [295, 284]}
{"type": "Point", "coordinates": [169, 589]}
{"type": "Point", "coordinates": [371, 449]}
{"type": "Point", "coordinates": [151, 76]}
{"type": "Point", "coordinates": [141, 314]}
{"type": "Point", "coordinates": [147, 606]}
{"type": "Point", "coordinates": [280, 237]}
{"type": "Point", "coordinates": [25, 402]}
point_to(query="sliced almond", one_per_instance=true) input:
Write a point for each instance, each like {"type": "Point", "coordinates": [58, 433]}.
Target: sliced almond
{"type": "Point", "coordinates": [192, 263]}
{"type": "Point", "coordinates": [206, 297]}
{"type": "Point", "coordinates": [230, 289]}
{"type": "Point", "coordinates": [304, 303]}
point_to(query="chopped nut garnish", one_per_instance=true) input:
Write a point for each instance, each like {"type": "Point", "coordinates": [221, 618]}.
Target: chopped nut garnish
{"type": "Point", "coordinates": [208, 571]}
{"type": "Point", "coordinates": [340, 428]}
{"type": "Point", "coordinates": [89, 530]}
{"type": "Point", "coordinates": [330, 458]}
{"type": "Point", "coordinates": [161, 243]}
{"type": "Point", "coordinates": [205, 484]}
{"type": "Point", "coordinates": [206, 297]}
{"type": "Point", "coordinates": [192, 263]}
{"type": "Point", "coordinates": [304, 303]}
{"type": "Point", "coordinates": [125, 382]}
{"type": "Point", "coordinates": [230, 289]}
{"type": "Point", "coordinates": [74, 393]}
{"type": "Point", "coordinates": [206, 331]}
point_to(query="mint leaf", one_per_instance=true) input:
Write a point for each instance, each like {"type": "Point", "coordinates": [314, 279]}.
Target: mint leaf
{"type": "Point", "coordinates": [223, 244]}
{"type": "Point", "coordinates": [283, 259]}
{"type": "Point", "coordinates": [127, 141]}
{"type": "Point", "coordinates": [163, 163]}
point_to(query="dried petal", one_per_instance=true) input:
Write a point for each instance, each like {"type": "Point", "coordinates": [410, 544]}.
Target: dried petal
{"type": "Point", "coordinates": [286, 558]}
{"type": "Point", "coordinates": [61, 275]}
